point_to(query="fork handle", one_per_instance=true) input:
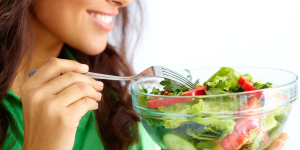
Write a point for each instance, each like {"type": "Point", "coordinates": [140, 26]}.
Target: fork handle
{"type": "Point", "coordinates": [100, 76]}
{"type": "Point", "coordinates": [110, 77]}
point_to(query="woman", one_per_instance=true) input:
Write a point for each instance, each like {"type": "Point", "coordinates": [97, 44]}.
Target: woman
{"type": "Point", "coordinates": [53, 108]}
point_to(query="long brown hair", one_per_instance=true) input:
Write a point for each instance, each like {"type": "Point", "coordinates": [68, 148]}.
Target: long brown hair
{"type": "Point", "coordinates": [116, 120]}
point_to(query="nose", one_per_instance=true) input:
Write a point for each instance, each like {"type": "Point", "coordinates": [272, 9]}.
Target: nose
{"type": "Point", "coordinates": [120, 3]}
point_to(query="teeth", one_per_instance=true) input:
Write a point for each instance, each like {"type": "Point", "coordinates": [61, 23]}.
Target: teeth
{"type": "Point", "coordinates": [93, 14]}
{"type": "Point", "coordinates": [103, 18]}
{"type": "Point", "coordinates": [97, 16]}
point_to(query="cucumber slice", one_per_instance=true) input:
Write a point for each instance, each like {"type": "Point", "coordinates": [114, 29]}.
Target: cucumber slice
{"type": "Point", "coordinates": [174, 142]}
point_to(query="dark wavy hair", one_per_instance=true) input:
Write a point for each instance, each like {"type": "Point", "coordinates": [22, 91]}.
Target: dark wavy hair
{"type": "Point", "coordinates": [116, 120]}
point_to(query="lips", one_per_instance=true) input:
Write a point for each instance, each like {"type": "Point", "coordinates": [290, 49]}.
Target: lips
{"type": "Point", "coordinates": [102, 19]}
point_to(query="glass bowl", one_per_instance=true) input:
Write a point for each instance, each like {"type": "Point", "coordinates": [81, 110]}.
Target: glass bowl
{"type": "Point", "coordinates": [218, 122]}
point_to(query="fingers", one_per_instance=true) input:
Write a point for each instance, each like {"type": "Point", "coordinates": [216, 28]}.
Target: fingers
{"type": "Point", "coordinates": [80, 107]}
{"type": "Point", "coordinates": [62, 82]}
{"type": "Point", "coordinates": [54, 68]}
{"type": "Point", "coordinates": [75, 92]}
{"type": "Point", "coordinates": [277, 145]}
{"type": "Point", "coordinates": [284, 137]}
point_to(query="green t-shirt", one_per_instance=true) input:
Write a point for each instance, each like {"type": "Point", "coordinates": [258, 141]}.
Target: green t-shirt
{"type": "Point", "coordinates": [86, 135]}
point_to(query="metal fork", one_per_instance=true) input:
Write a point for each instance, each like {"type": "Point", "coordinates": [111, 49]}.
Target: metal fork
{"type": "Point", "coordinates": [153, 71]}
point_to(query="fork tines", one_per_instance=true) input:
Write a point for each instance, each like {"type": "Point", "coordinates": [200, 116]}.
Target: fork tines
{"type": "Point", "coordinates": [177, 77]}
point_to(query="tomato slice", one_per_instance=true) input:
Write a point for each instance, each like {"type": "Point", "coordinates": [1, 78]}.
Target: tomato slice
{"type": "Point", "coordinates": [247, 86]}
{"type": "Point", "coordinates": [253, 103]}
{"type": "Point", "coordinates": [242, 80]}
{"type": "Point", "coordinates": [198, 91]}
{"type": "Point", "coordinates": [159, 102]}
{"type": "Point", "coordinates": [241, 131]}
{"type": "Point", "coordinates": [167, 93]}
{"type": "Point", "coordinates": [240, 134]}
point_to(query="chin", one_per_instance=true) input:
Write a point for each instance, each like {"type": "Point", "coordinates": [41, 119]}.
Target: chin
{"type": "Point", "coordinates": [94, 48]}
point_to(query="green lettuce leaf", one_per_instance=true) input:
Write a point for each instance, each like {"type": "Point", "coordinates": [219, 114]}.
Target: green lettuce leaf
{"type": "Point", "coordinates": [222, 72]}
{"type": "Point", "coordinates": [172, 86]}
{"type": "Point", "coordinates": [226, 126]}
{"type": "Point", "coordinates": [206, 145]}
{"type": "Point", "coordinates": [178, 108]}
{"type": "Point", "coordinates": [156, 91]}
{"type": "Point", "coordinates": [200, 134]}
{"type": "Point", "coordinates": [218, 82]}
{"type": "Point", "coordinates": [232, 81]}
{"type": "Point", "coordinates": [215, 105]}
{"type": "Point", "coordinates": [224, 83]}
{"type": "Point", "coordinates": [248, 76]}
{"type": "Point", "coordinates": [142, 99]}
{"type": "Point", "coordinates": [197, 108]}
{"type": "Point", "coordinates": [262, 86]}
{"type": "Point", "coordinates": [255, 138]}
{"type": "Point", "coordinates": [280, 116]}
{"type": "Point", "coordinates": [215, 91]}
{"type": "Point", "coordinates": [214, 122]}
{"type": "Point", "coordinates": [174, 122]}
{"type": "Point", "coordinates": [192, 107]}
{"type": "Point", "coordinates": [269, 122]}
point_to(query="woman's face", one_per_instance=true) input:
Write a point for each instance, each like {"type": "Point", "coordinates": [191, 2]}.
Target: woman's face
{"type": "Point", "coordinates": [82, 24]}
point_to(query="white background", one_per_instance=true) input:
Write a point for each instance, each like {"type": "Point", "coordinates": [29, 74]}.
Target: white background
{"type": "Point", "coordinates": [194, 33]}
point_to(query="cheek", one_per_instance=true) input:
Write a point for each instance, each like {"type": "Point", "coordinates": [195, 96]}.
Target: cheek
{"type": "Point", "coordinates": [68, 22]}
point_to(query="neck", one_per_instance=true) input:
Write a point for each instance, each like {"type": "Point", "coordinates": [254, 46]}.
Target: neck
{"type": "Point", "coordinates": [46, 45]}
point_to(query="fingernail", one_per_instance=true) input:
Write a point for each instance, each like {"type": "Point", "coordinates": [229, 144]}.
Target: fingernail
{"type": "Point", "coordinates": [100, 94]}
{"type": "Point", "coordinates": [283, 144]}
{"type": "Point", "coordinates": [100, 83]}
{"type": "Point", "coordinates": [85, 66]}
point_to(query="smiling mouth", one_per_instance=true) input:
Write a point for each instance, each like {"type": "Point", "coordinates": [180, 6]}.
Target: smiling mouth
{"type": "Point", "coordinates": [103, 18]}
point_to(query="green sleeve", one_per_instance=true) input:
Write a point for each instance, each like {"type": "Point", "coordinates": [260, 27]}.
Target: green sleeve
{"type": "Point", "coordinates": [146, 141]}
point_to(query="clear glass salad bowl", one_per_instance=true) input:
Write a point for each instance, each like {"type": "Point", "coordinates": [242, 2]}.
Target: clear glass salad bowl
{"type": "Point", "coordinates": [244, 120]}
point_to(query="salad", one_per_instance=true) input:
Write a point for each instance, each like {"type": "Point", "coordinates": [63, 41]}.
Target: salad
{"type": "Point", "coordinates": [239, 128]}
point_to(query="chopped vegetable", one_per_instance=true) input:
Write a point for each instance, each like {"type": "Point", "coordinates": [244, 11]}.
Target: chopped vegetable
{"type": "Point", "coordinates": [239, 127]}
{"type": "Point", "coordinates": [240, 134]}
{"type": "Point", "coordinates": [262, 86]}
{"type": "Point", "coordinates": [159, 102]}
{"type": "Point", "coordinates": [174, 142]}
{"type": "Point", "coordinates": [222, 72]}
{"type": "Point", "coordinates": [247, 86]}
{"type": "Point", "coordinates": [253, 103]}
{"type": "Point", "coordinates": [206, 145]}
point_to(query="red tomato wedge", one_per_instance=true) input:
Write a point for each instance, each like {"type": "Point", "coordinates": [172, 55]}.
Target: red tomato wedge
{"type": "Point", "coordinates": [247, 86]}
{"type": "Point", "coordinates": [253, 103]}
{"type": "Point", "coordinates": [198, 91]}
{"type": "Point", "coordinates": [240, 134]}
{"type": "Point", "coordinates": [241, 131]}
{"type": "Point", "coordinates": [166, 93]}
{"type": "Point", "coordinates": [159, 102]}
{"type": "Point", "coordinates": [242, 80]}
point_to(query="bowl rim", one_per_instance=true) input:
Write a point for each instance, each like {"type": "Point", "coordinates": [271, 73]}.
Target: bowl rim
{"type": "Point", "coordinates": [133, 90]}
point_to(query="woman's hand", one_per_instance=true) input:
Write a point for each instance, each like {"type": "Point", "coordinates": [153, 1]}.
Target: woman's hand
{"type": "Point", "coordinates": [279, 143]}
{"type": "Point", "coordinates": [54, 100]}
